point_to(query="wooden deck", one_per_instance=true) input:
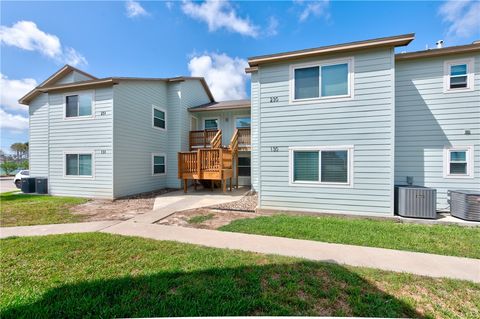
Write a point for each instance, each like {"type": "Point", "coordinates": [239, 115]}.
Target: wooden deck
{"type": "Point", "coordinates": [208, 160]}
{"type": "Point", "coordinates": [206, 164]}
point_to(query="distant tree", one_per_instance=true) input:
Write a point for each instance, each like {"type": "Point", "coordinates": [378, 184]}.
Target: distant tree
{"type": "Point", "coordinates": [23, 164]}
{"type": "Point", "coordinates": [20, 149]}
{"type": "Point", "coordinates": [9, 167]}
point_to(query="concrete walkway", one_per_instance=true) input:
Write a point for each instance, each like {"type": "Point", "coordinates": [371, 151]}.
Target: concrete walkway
{"type": "Point", "coordinates": [170, 203]}
{"type": "Point", "coordinates": [55, 229]}
{"type": "Point", "coordinates": [379, 258]}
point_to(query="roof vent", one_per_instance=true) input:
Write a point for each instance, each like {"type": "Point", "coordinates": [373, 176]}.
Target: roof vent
{"type": "Point", "coordinates": [439, 44]}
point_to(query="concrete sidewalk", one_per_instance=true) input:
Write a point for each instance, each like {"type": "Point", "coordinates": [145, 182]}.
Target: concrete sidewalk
{"type": "Point", "coordinates": [379, 258]}
{"type": "Point", "coordinates": [55, 229]}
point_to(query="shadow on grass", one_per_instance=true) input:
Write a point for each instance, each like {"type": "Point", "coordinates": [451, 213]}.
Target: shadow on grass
{"type": "Point", "coordinates": [303, 288]}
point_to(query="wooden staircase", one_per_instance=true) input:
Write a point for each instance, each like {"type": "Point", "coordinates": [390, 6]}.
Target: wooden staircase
{"type": "Point", "coordinates": [212, 162]}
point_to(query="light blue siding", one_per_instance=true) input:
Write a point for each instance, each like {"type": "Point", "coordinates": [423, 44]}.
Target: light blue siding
{"type": "Point", "coordinates": [135, 138]}
{"type": "Point", "coordinates": [181, 96]}
{"type": "Point", "coordinates": [428, 120]}
{"type": "Point", "coordinates": [255, 114]}
{"type": "Point", "coordinates": [366, 122]}
{"type": "Point", "coordinates": [81, 135]}
{"type": "Point", "coordinates": [38, 136]}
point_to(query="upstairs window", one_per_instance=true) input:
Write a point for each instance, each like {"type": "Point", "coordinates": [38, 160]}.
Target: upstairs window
{"type": "Point", "coordinates": [159, 118]}
{"type": "Point", "coordinates": [243, 122]}
{"type": "Point", "coordinates": [211, 124]}
{"type": "Point", "coordinates": [322, 80]}
{"type": "Point", "coordinates": [78, 105]}
{"type": "Point", "coordinates": [458, 75]}
{"type": "Point", "coordinates": [458, 162]}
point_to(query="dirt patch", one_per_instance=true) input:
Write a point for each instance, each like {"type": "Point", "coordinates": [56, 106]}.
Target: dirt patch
{"type": "Point", "coordinates": [212, 218]}
{"type": "Point", "coordinates": [119, 209]}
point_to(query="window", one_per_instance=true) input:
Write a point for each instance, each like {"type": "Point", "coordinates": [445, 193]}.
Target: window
{"type": "Point", "coordinates": [307, 83]}
{"type": "Point", "coordinates": [458, 75]}
{"type": "Point", "coordinates": [321, 165]}
{"type": "Point", "coordinates": [244, 166]}
{"type": "Point", "coordinates": [78, 164]}
{"type": "Point", "coordinates": [211, 124]}
{"type": "Point", "coordinates": [243, 122]}
{"type": "Point", "coordinates": [159, 118]}
{"type": "Point", "coordinates": [159, 164]}
{"type": "Point", "coordinates": [458, 162]}
{"type": "Point", "coordinates": [321, 80]}
{"type": "Point", "coordinates": [335, 80]}
{"type": "Point", "coordinates": [79, 105]}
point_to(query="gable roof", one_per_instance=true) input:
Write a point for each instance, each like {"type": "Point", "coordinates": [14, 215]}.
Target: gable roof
{"type": "Point", "coordinates": [393, 41]}
{"type": "Point", "coordinates": [62, 72]}
{"type": "Point", "coordinates": [222, 105]}
{"type": "Point", "coordinates": [468, 48]}
{"type": "Point", "coordinates": [49, 84]}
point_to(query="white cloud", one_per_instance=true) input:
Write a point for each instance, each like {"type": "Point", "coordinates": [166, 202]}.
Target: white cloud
{"type": "Point", "coordinates": [318, 8]}
{"type": "Point", "coordinates": [27, 36]}
{"type": "Point", "coordinates": [224, 75]}
{"type": "Point", "coordinates": [13, 122]}
{"type": "Point", "coordinates": [220, 14]}
{"type": "Point", "coordinates": [169, 5]}
{"type": "Point", "coordinates": [271, 29]}
{"type": "Point", "coordinates": [73, 57]}
{"type": "Point", "coordinates": [12, 90]}
{"type": "Point", "coordinates": [134, 9]}
{"type": "Point", "coordinates": [463, 17]}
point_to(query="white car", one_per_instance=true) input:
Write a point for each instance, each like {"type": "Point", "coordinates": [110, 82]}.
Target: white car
{"type": "Point", "coordinates": [18, 177]}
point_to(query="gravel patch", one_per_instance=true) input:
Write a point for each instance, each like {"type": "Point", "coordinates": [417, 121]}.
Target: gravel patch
{"type": "Point", "coordinates": [247, 203]}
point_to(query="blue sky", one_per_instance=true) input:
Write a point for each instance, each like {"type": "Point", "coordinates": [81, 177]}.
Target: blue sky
{"type": "Point", "coordinates": [211, 39]}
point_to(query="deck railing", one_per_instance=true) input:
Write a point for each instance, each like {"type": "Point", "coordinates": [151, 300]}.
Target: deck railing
{"type": "Point", "coordinates": [204, 160]}
{"type": "Point", "coordinates": [244, 138]}
{"type": "Point", "coordinates": [202, 138]}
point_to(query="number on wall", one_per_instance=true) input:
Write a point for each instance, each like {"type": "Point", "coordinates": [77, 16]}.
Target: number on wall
{"type": "Point", "coordinates": [273, 99]}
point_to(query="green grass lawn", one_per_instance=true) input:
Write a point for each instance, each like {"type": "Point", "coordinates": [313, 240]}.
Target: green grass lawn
{"type": "Point", "coordinates": [17, 209]}
{"type": "Point", "coordinates": [438, 239]}
{"type": "Point", "coordinates": [102, 275]}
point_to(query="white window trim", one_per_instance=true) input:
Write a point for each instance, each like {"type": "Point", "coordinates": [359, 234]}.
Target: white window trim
{"type": "Point", "coordinates": [79, 151]}
{"type": "Point", "coordinates": [240, 117]}
{"type": "Point", "coordinates": [469, 157]}
{"type": "Point", "coordinates": [348, 148]}
{"type": "Point", "coordinates": [470, 75]}
{"type": "Point", "coordinates": [211, 118]}
{"type": "Point", "coordinates": [320, 64]}
{"type": "Point", "coordinates": [83, 117]}
{"type": "Point", "coordinates": [158, 108]}
{"type": "Point", "coordinates": [153, 163]}
{"type": "Point", "coordinates": [196, 122]}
